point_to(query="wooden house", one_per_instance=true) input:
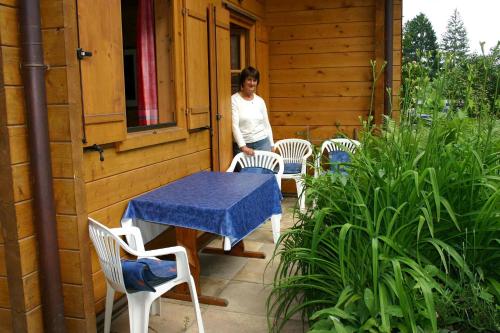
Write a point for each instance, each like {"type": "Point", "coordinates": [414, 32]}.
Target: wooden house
{"type": "Point", "coordinates": [314, 58]}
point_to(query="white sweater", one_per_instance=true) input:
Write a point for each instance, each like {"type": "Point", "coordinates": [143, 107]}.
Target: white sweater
{"type": "Point", "coordinates": [250, 120]}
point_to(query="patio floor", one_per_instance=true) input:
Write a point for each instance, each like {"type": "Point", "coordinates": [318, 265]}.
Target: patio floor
{"type": "Point", "coordinates": [244, 282]}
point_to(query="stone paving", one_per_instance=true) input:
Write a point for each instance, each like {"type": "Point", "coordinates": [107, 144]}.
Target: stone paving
{"type": "Point", "coordinates": [244, 282]}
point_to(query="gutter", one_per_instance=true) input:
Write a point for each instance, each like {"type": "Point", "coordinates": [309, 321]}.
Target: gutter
{"type": "Point", "coordinates": [389, 36]}
{"type": "Point", "coordinates": [33, 70]}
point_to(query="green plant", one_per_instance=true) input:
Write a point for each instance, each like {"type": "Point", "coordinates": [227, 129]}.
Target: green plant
{"type": "Point", "coordinates": [416, 217]}
{"type": "Point", "coordinates": [470, 307]}
{"type": "Point", "coordinates": [468, 83]}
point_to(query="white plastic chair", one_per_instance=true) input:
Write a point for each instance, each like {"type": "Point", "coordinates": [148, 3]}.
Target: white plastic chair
{"type": "Point", "coordinates": [295, 151]}
{"type": "Point", "coordinates": [261, 159]}
{"type": "Point", "coordinates": [108, 243]}
{"type": "Point", "coordinates": [328, 146]}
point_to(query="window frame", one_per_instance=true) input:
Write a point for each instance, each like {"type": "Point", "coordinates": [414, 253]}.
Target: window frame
{"type": "Point", "coordinates": [246, 27]}
{"type": "Point", "coordinates": [142, 136]}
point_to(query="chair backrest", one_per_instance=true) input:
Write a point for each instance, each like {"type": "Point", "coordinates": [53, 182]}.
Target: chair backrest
{"type": "Point", "coordinates": [107, 246]}
{"type": "Point", "coordinates": [341, 144]}
{"type": "Point", "coordinates": [294, 150]}
{"type": "Point", "coordinates": [260, 159]}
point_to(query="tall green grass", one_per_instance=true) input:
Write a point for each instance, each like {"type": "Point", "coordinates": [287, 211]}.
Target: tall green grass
{"type": "Point", "coordinates": [387, 246]}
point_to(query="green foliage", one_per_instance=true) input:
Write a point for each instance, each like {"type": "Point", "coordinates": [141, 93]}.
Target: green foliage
{"type": "Point", "coordinates": [419, 41]}
{"type": "Point", "coordinates": [455, 40]}
{"type": "Point", "coordinates": [469, 84]}
{"type": "Point", "coordinates": [471, 307]}
{"type": "Point", "coordinates": [486, 78]}
{"type": "Point", "coordinates": [398, 241]}
{"type": "Point", "coordinates": [472, 80]}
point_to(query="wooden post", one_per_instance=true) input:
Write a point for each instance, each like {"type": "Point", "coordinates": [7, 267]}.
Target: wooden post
{"type": "Point", "coordinates": [378, 103]}
{"type": "Point", "coordinates": [389, 48]}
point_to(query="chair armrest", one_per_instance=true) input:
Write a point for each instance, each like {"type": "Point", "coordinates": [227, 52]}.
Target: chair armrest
{"type": "Point", "coordinates": [134, 231]}
{"type": "Point", "coordinates": [306, 156]}
{"type": "Point", "coordinates": [303, 168]}
{"type": "Point", "coordinates": [304, 160]}
{"type": "Point", "coordinates": [235, 161]}
{"type": "Point", "coordinates": [133, 236]}
{"type": "Point", "coordinates": [317, 165]}
{"type": "Point", "coordinates": [181, 258]}
{"type": "Point", "coordinates": [232, 166]}
{"type": "Point", "coordinates": [124, 231]}
{"type": "Point", "coordinates": [161, 252]}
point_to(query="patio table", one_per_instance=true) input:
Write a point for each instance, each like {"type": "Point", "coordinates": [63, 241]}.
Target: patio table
{"type": "Point", "coordinates": [221, 203]}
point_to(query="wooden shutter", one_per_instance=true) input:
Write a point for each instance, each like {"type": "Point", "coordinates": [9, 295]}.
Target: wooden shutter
{"type": "Point", "coordinates": [223, 57]}
{"type": "Point", "coordinates": [103, 89]}
{"type": "Point", "coordinates": [196, 62]}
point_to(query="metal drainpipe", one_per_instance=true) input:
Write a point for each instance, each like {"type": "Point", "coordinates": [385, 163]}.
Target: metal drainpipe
{"type": "Point", "coordinates": [33, 70]}
{"type": "Point", "coordinates": [388, 53]}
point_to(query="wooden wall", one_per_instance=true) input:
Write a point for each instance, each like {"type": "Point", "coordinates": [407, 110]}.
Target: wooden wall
{"type": "Point", "coordinates": [9, 81]}
{"type": "Point", "coordinates": [58, 31]}
{"type": "Point", "coordinates": [320, 74]}
{"type": "Point", "coordinates": [397, 55]}
{"type": "Point", "coordinates": [19, 307]}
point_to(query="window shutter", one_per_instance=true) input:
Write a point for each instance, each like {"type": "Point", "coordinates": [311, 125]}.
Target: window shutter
{"type": "Point", "coordinates": [196, 62]}
{"type": "Point", "coordinates": [103, 89]}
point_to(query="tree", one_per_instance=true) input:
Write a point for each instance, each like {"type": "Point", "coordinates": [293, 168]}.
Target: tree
{"type": "Point", "coordinates": [419, 40]}
{"type": "Point", "coordinates": [455, 41]}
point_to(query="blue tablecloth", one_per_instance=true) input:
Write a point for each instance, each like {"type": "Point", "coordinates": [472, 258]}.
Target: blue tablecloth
{"type": "Point", "coordinates": [224, 203]}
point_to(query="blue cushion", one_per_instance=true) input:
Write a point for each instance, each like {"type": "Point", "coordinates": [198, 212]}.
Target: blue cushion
{"type": "Point", "coordinates": [146, 273]}
{"type": "Point", "coordinates": [292, 168]}
{"type": "Point", "coordinates": [258, 170]}
{"type": "Point", "coordinates": [336, 157]}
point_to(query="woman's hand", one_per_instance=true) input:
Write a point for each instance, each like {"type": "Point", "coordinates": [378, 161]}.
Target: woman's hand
{"type": "Point", "coordinates": [247, 150]}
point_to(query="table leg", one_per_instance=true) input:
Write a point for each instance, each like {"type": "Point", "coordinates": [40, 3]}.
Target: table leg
{"type": "Point", "coordinates": [276, 226]}
{"type": "Point", "coordinates": [188, 239]}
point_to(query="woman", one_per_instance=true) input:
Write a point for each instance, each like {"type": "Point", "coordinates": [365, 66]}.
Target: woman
{"type": "Point", "coordinates": [251, 127]}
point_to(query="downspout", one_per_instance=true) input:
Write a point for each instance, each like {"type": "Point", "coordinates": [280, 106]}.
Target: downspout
{"type": "Point", "coordinates": [33, 70]}
{"type": "Point", "coordinates": [388, 54]}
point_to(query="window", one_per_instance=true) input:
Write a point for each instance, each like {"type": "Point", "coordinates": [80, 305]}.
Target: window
{"type": "Point", "coordinates": [239, 54]}
{"type": "Point", "coordinates": [147, 60]}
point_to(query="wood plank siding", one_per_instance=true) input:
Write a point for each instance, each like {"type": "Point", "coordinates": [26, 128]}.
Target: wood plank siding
{"type": "Point", "coordinates": [319, 65]}
{"type": "Point", "coordinates": [315, 78]}
{"type": "Point", "coordinates": [64, 115]}
{"type": "Point", "coordinates": [15, 268]}
{"type": "Point", "coordinates": [397, 55]}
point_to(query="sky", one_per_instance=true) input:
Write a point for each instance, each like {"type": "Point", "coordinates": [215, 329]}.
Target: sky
{"type": "Point", "coordinates": [481, 18]}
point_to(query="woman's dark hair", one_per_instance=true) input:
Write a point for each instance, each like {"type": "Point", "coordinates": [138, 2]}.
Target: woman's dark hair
{"type": "Point", "coordinates": [249, 72]}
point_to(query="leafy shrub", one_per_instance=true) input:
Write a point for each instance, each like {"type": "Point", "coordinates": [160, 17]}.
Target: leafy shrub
{"type": "Point", "coordinates": [469, 83]}
{"type": "Point", "coordinates": [470, 307]}
{"type": "Point", "coordinates": [389, 246]}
